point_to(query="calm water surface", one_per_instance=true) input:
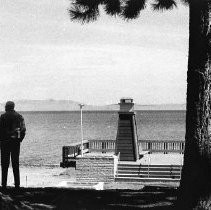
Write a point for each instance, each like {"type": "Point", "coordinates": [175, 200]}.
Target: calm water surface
{"type": "Point", "coordinates": [47, 132]}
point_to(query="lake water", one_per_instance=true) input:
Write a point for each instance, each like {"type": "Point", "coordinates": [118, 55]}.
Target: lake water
{"type": "Point", "coordinates": [47, 132]}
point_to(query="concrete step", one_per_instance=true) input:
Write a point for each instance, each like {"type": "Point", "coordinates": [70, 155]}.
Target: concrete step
{"type": "Point", "coordinates": [146, 169]}
{"type": "Point", "coordinates": [149, 172]}
{"type": "Point", "coordinates": [127, 179]}
{"type": "Point", "coordinates": [146, 166]}
{"type": "Point", "coordinates": [152, 169]}
{"type": "Point", "coordinates": [148, 176]}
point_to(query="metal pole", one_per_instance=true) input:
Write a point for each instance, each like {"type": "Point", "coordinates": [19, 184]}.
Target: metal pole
{"type": "Point", "coordinates": [81, 107]}
{"type": "Point", "coordinates": [149, 163]}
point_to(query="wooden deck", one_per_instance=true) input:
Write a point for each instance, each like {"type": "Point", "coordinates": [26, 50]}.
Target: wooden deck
{"type": "Point", "coordinates": [163, 163]}
{"type": "Point", "coordinates": [108, 146]}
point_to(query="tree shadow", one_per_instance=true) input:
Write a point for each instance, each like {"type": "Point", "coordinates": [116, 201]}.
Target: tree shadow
{"type": "Point", "coordinates": [156, 198]}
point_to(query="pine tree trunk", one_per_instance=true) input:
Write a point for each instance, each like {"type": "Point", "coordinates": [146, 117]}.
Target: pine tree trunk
{"type": "Point", "coordinates": [195, 185]}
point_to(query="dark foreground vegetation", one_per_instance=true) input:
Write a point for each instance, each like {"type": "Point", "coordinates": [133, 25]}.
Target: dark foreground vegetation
{"type": "Point", "coordinates": [152, 197]}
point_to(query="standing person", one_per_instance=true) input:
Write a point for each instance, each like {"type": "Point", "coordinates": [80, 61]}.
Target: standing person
{"type": "Point", "coordinates": [12, 132]}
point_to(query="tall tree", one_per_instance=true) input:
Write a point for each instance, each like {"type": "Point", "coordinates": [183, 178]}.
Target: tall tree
{"type": "Point", "coordinates": [195, 185]}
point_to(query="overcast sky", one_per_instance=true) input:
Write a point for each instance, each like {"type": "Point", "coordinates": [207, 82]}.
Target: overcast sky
{"type": "Point", "coordinates": [44, 55]}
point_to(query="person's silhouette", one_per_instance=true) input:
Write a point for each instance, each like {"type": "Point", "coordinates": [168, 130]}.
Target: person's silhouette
{"type": "Point", "coordinates": [12, 132]}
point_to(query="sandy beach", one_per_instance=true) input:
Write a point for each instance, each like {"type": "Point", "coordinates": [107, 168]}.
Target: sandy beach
{"type": "Point", "coordinates": [45, 188]}
{"type": "Point", "coordinates": [45, 176]}
{"type": "Point", "coordinates": [54, 176]}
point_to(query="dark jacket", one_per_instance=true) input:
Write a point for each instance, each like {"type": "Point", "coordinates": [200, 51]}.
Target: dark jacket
{"type": "Point", "coordinates": [12, 126]}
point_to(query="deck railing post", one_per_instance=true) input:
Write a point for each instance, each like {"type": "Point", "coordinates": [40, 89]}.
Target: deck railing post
{"type": "Point", "coordinates": [63, 154]}
{"type": "Point", "coordinates": [148, 163]}
{"type": "Point", "coordinates": [149, 146]}
{"type": "Point", "coordinates": [81, 108]}
{"type": "Point", "coordinates": [103, 147]}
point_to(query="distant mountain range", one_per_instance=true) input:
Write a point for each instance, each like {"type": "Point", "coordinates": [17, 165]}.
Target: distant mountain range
{"type": "Point", "coordinates": [68, 105]}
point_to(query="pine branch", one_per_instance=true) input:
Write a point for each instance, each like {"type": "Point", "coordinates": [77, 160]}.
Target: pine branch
{"type": "Point", "coordinates": [83, 14]}
{"type": "Point", "coordinates": [164, 4]}
{"type": "Point", "coordinates": [86, 11]}
{"type": "Point", "coordinates": [112, 7]}
{"type": "Point", "coordinates": [133, 8]}
{"type": "Point", "coordinates": [88, 3]}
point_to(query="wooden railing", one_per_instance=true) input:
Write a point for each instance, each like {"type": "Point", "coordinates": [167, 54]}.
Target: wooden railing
{"type": "Point", "coordinates": [153, 146]}
{"type": "Point", "coordinates": [102, 146]}
{"type": "Point", "coordinates": [157, 146]}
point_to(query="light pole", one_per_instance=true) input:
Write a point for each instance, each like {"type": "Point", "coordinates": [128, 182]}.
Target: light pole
{"type": "Point", "coordinates": [81, 108]}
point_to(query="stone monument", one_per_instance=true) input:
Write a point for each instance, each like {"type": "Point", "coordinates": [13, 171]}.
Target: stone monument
{"type": "Point", "coordinates": [127, 139]}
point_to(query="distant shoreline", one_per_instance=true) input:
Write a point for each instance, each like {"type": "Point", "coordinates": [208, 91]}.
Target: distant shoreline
{"type": "Point", "coordinates": [72, 106]}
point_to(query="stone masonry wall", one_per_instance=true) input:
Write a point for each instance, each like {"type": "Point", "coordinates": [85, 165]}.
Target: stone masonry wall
{"type": "Point", "coordinates": [95, 168]}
